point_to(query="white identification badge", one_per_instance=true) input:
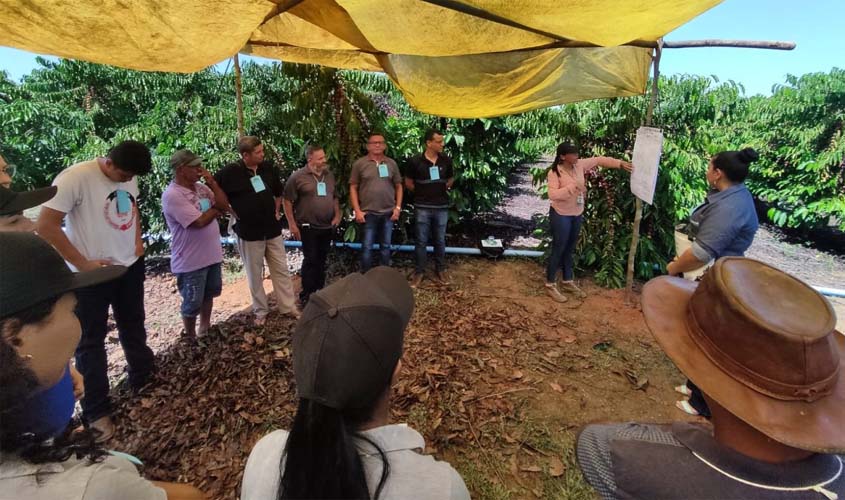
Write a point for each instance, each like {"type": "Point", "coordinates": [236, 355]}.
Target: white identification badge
{"type": "Point", "coordinates": [580, 199]}
{"type": "Point", "coordinates": [434, 172]}
{"type": "Point", "coordinates": [257, 183]}
{"type": "Point", "coordinates": [205, 204]}
{"type": "Point", "coordinates": [321, 188]}
{"type": "Point", "coordinates": [382, 170]}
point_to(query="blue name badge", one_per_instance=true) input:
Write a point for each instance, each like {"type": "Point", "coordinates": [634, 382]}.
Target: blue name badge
{"type": "Point", "coordinates": [382, 170]}
{"type": "Point", "coordinates": [205, 204]}
{"type": "Point", "coordinates": [321, 189]}
{"type": "Point", "coordinates": [434, 172]}
{"type": "Point", "coordinates": [257, 183]}
{"type": "Point", "coordinates": [123, 203]}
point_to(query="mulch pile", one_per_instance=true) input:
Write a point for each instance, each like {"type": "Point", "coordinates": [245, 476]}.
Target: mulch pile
{"type": "Point", "coordinates": [465, 360]}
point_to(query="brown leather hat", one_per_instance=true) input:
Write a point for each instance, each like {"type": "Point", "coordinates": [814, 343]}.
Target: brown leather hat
{"type": "Point", "coordinates": [762, 344]}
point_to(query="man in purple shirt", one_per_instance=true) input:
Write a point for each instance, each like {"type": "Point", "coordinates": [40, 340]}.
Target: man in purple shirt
{"type": "Point", "coordinates": [191, 209]}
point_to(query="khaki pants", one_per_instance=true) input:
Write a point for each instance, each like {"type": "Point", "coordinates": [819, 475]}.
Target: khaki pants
{"type": "Point", "coordinates": [253, 254]}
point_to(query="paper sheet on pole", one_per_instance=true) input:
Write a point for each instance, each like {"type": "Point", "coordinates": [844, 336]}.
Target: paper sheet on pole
{"type": "Point", "coordinates": [647, 149]}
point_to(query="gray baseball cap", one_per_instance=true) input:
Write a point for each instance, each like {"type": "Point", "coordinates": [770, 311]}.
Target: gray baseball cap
{"type": "Point", "coordinates": [350, 337]}
{"type": "Point", "coordinates": [184, 157]}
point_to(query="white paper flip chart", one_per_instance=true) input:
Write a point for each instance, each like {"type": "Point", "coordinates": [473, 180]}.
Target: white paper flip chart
{"type": "Point", "coordinates": [646, 159]}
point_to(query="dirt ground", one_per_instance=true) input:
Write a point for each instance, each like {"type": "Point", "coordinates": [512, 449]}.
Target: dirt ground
{"type": "Point", "coordinates": [496, 376]}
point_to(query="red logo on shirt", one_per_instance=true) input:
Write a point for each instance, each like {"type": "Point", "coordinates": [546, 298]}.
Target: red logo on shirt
{"type": "Point", "coordinates": [120, 220]}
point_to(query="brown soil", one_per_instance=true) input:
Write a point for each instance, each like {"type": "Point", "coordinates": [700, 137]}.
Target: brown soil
{"type": "Point", "coordinates": [496, 376]}
{"type": "Point", "coordinates": [494, 373]}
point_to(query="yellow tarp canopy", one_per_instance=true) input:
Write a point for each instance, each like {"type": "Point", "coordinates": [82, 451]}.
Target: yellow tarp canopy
{"type": "Point", "coordinates": [458, 58]}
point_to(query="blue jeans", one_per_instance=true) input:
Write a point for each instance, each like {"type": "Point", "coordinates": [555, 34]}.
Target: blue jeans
{"type": "Point", "coordinates": [126, 297]}
{"type": "Point", "coordinates": [431, 221]}
{"type": "Point", "coordinates": [373, 225]}
{"type": "Point", "coordinates": [565, 230]}
{"type": "Point", "coordinates": [198, 286]}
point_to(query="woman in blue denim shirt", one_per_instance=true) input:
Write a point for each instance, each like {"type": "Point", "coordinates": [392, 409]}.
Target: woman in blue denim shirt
{"type": "Point", "coordinates": [724, 225]}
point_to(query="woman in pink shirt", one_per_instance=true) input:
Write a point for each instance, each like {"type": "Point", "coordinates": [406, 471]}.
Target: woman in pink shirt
{"type": "Point", "coordinates": [567, 192]}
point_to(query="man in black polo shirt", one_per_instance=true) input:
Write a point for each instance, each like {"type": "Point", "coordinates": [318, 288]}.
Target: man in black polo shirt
{"type": "Point", "coordinates": [313, 211]}
{"type": "Point", "coordinates": [255, 194]}
{"type": "Point", "coordinates": [430, 175]}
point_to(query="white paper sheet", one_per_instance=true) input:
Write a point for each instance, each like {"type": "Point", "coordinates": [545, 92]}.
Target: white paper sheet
{"type": "Point", "coordinates": [646, 159]}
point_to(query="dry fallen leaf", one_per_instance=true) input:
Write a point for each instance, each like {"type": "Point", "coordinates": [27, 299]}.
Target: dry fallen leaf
{"type": "Point", "coordinates": [556, 467]}
{"type": "Point", "coordinates": [556, 387]}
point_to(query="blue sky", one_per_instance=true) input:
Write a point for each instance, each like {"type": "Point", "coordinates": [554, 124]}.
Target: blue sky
{"type": "Point", "coordinates": [815, 25]}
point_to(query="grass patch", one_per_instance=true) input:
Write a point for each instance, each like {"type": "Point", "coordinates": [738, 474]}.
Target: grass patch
{"type": "Point", "coordinates": [233, 269]}
{"type": "Point", "coordinates": [478, 481]}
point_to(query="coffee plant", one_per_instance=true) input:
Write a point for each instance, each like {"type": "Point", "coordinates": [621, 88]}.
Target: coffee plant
{"type": "Point", "coordinates": [68, 111]}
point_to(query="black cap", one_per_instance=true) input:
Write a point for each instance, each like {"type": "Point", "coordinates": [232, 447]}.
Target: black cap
{"type": "Point", "coordinates": [12, 202]}
{"type": "Point", "coordinates": [31, 271]}
{"type": "Point", "coordinates": [567, 148]}
{"type": "Point", "coordinates": [350, 337]}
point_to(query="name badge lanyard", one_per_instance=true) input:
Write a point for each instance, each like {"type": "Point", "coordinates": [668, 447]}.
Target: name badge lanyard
{"type": "Point", "coordinates": [382, 170]}
{"type": "Point", "coordinates": [123, 202]}
{"type": "Point", "coordinates": [256, 181]}
{"type": "Point", "coordinates": [204, 203]}
{"type": "Point", "coordinates": [321, 185]}
{"type": "Point", "coordinates": [434, 172]}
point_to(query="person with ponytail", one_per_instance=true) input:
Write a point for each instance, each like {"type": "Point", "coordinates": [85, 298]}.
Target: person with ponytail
{"type": "Point", "coordinates": [346, 357]}
{"type": "Point", "coordinates": [567, 193]}
{"type": "Point", "coordinates": [724, 225]}
{"type": "Point", "coordinates": [41, 456]}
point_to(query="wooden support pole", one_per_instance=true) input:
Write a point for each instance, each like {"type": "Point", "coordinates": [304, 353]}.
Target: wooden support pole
{"type": "Point", "coordinates": [239, 98]}
{"type": "Point", "coordinates": [638, 214]}
{"type": "Point", "coordinates": [742, 44]}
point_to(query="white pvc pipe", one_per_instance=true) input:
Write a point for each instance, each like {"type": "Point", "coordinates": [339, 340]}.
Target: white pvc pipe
{"type": "Point", "coordinates": [409, 248]}
{"type": "Point", "coordinates": [830, 292]}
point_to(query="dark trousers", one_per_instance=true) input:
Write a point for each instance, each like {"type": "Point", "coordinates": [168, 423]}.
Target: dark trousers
{"type": "Point", "coordinates": [315, 250]}
{"type": "Point", "coordinates": [376, 225]}
{"type": "Point", "coordinates": [565, 231]}
{"type": "Point", "coordinates": [431, 222]}
{"type": "Point", "coordinates": [697, 401]}
{"type": "Point", "coordinates": [126, 297]}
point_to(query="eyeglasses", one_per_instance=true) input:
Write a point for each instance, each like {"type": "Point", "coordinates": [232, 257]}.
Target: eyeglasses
{"type": "Point", "coordinates": [9, 170]}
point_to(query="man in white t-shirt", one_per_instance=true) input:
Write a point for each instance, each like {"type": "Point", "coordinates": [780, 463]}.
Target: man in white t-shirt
{"type": "Point", "coordinates": [97, 200]}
